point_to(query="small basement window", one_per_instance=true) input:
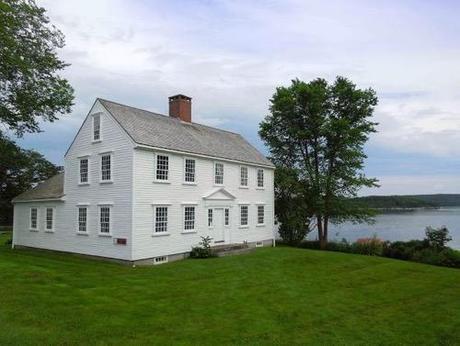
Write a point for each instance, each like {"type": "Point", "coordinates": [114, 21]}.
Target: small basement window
{"type": "Point", "coordinates": [160, 260]}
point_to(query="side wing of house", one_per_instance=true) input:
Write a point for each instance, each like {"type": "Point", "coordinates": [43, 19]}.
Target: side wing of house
{"type": "Point", "coordinates": [94, 216]}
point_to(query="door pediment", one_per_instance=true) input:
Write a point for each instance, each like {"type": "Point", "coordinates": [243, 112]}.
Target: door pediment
{"type": "Point", "coordinates": [219, 194]}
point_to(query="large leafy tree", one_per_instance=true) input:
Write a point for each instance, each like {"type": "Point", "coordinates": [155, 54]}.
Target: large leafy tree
{"type": "Point", "coordinates": [20, 170]}
{"type": "Point", "coordinates": [317, 131]}
{"type": "Point", "coordinates": [30, 86]}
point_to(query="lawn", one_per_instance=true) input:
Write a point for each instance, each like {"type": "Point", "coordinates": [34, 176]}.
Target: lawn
{"type": "Point", "coordinates": [272, 296]}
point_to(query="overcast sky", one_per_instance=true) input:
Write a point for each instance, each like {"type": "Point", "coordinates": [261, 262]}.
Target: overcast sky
{"type": "Point", "coordinates": [230, 56]}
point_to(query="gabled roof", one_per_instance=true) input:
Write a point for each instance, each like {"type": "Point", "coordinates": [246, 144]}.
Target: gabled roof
{"type": "Point", "coordinates": [160, 131]}
{"type": "Point", "coordinates": [53, 188]}
{"type": "Point", "coordinates": [219, 194]}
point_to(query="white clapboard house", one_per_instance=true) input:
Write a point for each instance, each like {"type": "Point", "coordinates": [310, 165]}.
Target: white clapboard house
{"type": "Point", "coordinates": [140, 186]}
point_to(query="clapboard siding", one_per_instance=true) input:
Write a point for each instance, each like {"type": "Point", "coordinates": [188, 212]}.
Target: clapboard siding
{"type": "Point", "coordinates": [175, 193]}
{"type": "Point", "coordinates": [119, 193]}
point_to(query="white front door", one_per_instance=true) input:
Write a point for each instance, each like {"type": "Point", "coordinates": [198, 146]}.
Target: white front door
{"type": "Point", "coordinates": [219, 230]}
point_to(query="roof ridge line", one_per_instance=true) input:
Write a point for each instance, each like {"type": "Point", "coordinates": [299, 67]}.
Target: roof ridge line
{"type": "Point", "coordinates": [167, 116]}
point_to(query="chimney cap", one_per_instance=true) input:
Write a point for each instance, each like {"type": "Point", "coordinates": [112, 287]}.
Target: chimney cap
{"type": "Point", "coordinates": [180, 96]}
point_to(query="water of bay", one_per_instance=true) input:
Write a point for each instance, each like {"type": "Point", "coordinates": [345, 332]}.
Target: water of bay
{"type": "Point", "coordinates": [401, 226]}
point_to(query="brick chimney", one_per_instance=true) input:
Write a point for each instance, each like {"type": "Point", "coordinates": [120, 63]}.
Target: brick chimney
{"type": "Point", "coordinates": [180, 106]}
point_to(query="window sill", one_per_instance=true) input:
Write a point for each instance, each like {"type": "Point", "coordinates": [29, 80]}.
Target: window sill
{"type": "Point", "coordinates": [107, 235]}
{"type": "Point", "coordinates": [161, 234]}
{"type": "Point", "coordinates": [243, 226]}
{"type": "Point", "coordinates": [188, 183]}
{"type": "Point", "coordinates": [162, 182]}
{"type": "Point", "coordinates": [218, 185]}
{"type": "Point", "coordinates": [96, 141]}
{"type": "Point", "coordinates": [260, 225]}
{"type": "Point", "coordinates": [260, 188]}
{"type": "Point", "coordinates": [83, 184]}
{"type": "Point", "coordinates": [82, 233]}
{"type": "Point", "coordinates": [188, 232]}
{"type": "Point", "coordinates": [244, 187]}
{"type": "Point", "coordinates": [49, 231]}
{"type": "Point", "coordinates": [33, 230]}
{"type": "Point", "coordinates": [106, 182]}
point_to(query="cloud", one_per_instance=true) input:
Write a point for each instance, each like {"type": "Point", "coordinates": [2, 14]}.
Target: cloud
{"type": "Point", "coordinates": [230, 55]}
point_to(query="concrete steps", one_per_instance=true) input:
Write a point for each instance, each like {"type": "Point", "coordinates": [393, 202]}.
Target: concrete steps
{"type": "Point", "coordinates": [231, 249]}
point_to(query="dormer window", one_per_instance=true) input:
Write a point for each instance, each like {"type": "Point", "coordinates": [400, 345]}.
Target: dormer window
{"type": "Point", "coordinates": [96, 127]}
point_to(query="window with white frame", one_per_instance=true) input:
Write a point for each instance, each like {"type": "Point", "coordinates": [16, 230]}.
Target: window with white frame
{"type": "Point", "coordinates": [49, 226]}
{"type": "Point", "coordinates": [243, 176]}
{"type": "Point", "coordinates": [96, 127]}
{"type": "Point", "coordinates": [84, 168]}
{"type": "Point", "coordinates": [244, 215]}
{"type": "Point", "coordinates": [226, 216]}
{"type": "Point", "coordinates": [106, 167]}
{"type": "Point", "coordinates": [218, 173]}
{"type": "Point", "coordinates": [33, 218]}
{"type": "Point", "coordinates": [104, 219]}
{"type": "Point", "coordinates": [189, 218]}
{"type": "Point", "coordinates": [260, 178]}
{"type": "Point", "coordinates": [260, 214]}
{"type": "Point", "coordinates": [162, 167]}
{"type": "Point", "coordinates": [210, 218]}
{"type": "Point", "coordinates": [189, 171]}
{"type": "Point", "coordinates": [82, 219]}
{"type": "Point", "coordinates": [161, 219]}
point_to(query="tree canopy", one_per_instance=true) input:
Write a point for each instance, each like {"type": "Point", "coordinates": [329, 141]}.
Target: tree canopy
{"type": "Point", "coordinates": [30, 86]}
{"type": "Point", "coordinates": [317, 131]}
{"type": "Point", "coordinates": [20, 170]}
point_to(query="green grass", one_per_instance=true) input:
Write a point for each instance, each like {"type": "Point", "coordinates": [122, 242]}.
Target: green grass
{"type": "Point", "coordinates": [272, 296]}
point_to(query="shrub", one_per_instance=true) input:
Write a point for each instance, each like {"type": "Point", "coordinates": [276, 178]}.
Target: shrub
{"type": "Point", "coordinates": [403, 250]}
{"type": "Point", "coordinates": [437, 237]}
{"type": "Point", "coordinates": [310, 244]}
{"type": "Point", "coordinates": [342, 246]}
{"type": "Point", "coordinates": [203, 250]}
{"type": "Point", "coordinates": [368, 246]}
{"type": "Point", "coordinates": [9, 241]}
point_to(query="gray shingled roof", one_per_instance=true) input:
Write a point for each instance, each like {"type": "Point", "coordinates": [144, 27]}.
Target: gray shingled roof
{"type": "Point", "coordinates": [52, 188]}
{"type": "Point", "coordinates": [162, 131]}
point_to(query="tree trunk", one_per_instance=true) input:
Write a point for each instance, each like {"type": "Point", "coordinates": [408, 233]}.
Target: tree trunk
{"type": "Point", "coordinates": [325, 231]}
{"type": "Point", "coordinates": [319, 226]}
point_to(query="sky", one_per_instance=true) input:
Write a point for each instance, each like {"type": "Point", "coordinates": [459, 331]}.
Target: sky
{"type": "Point", "coordinates": [230, 56]}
